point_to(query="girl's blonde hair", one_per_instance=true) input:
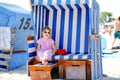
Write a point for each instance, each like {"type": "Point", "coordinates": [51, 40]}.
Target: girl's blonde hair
{"type": "Point", "coordinates": [45, 28]}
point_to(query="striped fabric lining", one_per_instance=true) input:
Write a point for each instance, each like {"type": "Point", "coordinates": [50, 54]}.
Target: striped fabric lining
{"type": "Point", "coordinates": [59, 2]}
{"type": "Point", "coordinates": [69, 24]}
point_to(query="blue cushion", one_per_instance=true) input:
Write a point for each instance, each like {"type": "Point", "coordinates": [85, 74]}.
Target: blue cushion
{"type": "Point", "coordinates": [72, 56]}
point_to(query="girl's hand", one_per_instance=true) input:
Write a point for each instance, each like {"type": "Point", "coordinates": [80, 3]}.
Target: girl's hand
{"type": "Point", "coordinates": [53, 48]}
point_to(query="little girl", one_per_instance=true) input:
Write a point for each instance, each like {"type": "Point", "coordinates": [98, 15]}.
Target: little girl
{"type": "Point", "coordinates": [46, 47]}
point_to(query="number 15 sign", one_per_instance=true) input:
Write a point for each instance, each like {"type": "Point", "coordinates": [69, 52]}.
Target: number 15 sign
{"type": "Point", "coordinates": [25, 24]}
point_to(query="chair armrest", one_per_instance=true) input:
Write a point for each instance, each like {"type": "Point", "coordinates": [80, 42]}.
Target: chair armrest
{"type": "Point", "coordinates": [16, 51]}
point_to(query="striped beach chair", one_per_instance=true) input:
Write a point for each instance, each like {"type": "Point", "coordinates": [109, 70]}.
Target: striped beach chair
{"type": "Point", "coordinates": [74, 25]}
{"type": "Point", "coordinates": [9, 57]}
{"type": "Point", "coordinates": [10, 16]}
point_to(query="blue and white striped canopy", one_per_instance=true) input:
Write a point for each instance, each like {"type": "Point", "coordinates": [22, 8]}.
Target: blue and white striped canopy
{"type": "Point", "coordinates": [69, 20]}
{"type": "Point", "coordinates": [59, 2]}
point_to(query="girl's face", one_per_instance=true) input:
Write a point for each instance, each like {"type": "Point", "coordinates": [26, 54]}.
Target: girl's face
{"type": "Point", "coordinates": [46, 34]}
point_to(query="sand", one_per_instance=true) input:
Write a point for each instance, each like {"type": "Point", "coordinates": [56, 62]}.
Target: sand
{"type": "Point", "coordinates": [17, 74]}
{"type": "Point", "coordinates": [111, 67]}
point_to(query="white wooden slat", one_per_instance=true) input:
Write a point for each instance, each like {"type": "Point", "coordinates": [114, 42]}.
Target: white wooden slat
{"type": "Point", "coordinates": [5, 56]}
{"type": "Point", "coordinates": [4, 63]}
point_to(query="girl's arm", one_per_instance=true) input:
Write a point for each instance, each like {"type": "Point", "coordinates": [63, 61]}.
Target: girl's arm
{"type": "Point", "coordinates": [38, 47]}
{"type": "Point", "coordinates": [53, 48]}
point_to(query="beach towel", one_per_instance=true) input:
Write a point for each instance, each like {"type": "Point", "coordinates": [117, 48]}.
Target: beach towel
{"type": "Point", "coordinates": [5, 38]}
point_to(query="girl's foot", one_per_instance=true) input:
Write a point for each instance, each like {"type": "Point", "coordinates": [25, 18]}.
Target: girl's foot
{"type": "Point", "coordinates": [42, 62]}
{"type": "Point", "coordinates": [45, 62]}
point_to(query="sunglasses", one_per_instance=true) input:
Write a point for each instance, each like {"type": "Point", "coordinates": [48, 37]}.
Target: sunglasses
{"type": "Point", "coordinates": [47, 32]}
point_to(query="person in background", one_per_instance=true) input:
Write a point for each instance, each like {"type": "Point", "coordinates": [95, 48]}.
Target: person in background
{"type": "Point", "coordinates": [46, 47]}
{"type": "Point", "coordinates": [117, 32]}
{"type": "Point", "coordinates": [107, 35]}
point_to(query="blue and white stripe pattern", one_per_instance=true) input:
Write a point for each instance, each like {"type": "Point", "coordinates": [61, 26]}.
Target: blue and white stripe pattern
{"type": "Point", "coordinates": [69, 21]}
{"type": "Point", "coordinates": [72, 57]}
{"type": "Point", "coordinates": [31, 49]}
{"type": "Point", "coordinates": [69, 24]}
{"type": "Point", "coordinates": [59, 2]}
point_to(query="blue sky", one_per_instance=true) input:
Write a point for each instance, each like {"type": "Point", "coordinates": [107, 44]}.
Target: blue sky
{"type": "Point", "coordinates": [112, 6]}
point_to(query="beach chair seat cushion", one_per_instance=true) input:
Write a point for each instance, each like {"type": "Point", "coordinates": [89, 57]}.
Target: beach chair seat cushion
{"type": "Point", "coordinates": [66, 56]}
{"type": "Point", "coordinates": [71, 56]}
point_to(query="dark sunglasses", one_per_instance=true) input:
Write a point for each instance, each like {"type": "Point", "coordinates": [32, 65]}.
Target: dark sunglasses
{"type": "Point", "coordinates": [47, 32]}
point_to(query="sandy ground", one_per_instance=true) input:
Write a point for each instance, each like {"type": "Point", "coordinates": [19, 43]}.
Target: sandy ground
{"type": "Point", "coordinates": [17, 74]}
{"type": "Point", "coordinates": [111, 67]}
